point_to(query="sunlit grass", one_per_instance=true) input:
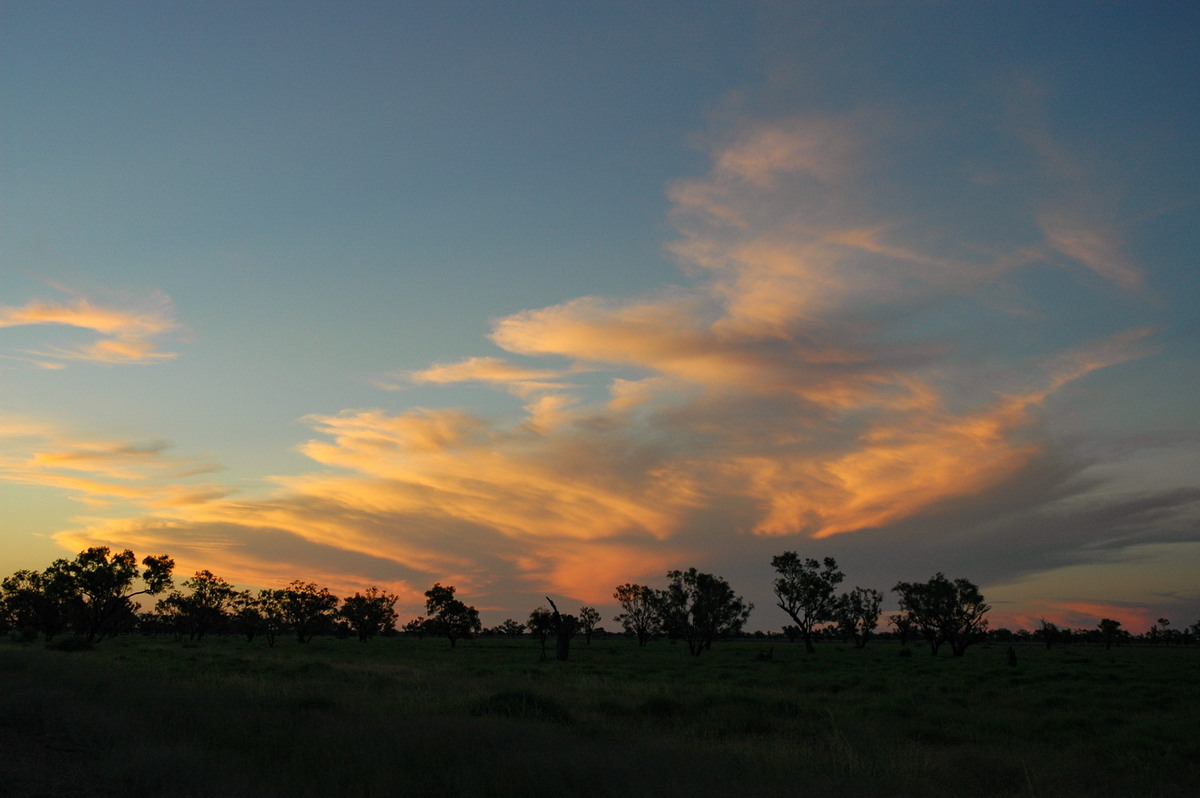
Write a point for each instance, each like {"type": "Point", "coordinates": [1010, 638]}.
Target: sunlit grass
{"type": "Point", "coordinates": [414, 717]}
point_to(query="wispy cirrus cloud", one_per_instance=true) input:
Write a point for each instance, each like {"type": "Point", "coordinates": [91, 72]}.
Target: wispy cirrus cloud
{"type": "Point", "coordinates": [100, 472]}
{"type": "Point", "coordinates": [128, 331]}
{"type": "Point", "coordinates": [808, 385]}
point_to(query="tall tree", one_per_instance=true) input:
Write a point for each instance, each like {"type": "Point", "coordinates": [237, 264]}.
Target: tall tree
{"type": "Point", "coordinates": [370, 613]}
{"type": "Point", "coordinates": [101, 589]}
{"type": "Point", "coordinates": [204, 609]}
{"type": "Point", "coordinates": [449, 616]}
{"type": "Point", "coordinates": [564, 630]}
{"type": "Point", "coordinates": [588, 618]}
{"type": "Point", "coordinates": [805, 591]}
{"type": "Point", "coordinates": [945, 612]}
{"type": "Point", "coordinates": [700, 608]}
{"type": "Point", "coordinates": [1110, 629]}
{"type": "Point", "coordinates": [541, 623]}
{"type": "Point", "coordinates": [642, 614]}
{"type": "Point", "coordinates": [307, 608]}
{"type": "Point", "coordinates": [858, 613]}
{"type": "Point", "coordinates": [32, 602]}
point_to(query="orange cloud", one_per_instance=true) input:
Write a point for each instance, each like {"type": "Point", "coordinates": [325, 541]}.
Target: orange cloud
{"type": "Point", "coordinates": [127, 334]}
{"type": "Point", "coordinates": [774, 392]}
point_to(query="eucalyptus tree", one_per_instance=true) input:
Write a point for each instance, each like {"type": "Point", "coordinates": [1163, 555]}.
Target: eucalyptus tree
{"type": "Point", "coordinates": [642, 616]}
{"type": "Point", "coordinates": [204, 609]}
{"type": "Point", "coordinates": [858, 614]}
{"type": "Point", "coordinates": [943, 611]}
{"type": "Point", "coordinates": [806, 591]}
{"type": "Point", "coordinates": [370, 613]}
{"type": "Point", "coordinates": [98, 590]}
{"type": "Point", "coordinates": [700, 608]}
{"type": "Point", "coordinates": [588, 618]}
{"type": "Point", "coordinates": [449, 616]}
{"type": "Point", "coordinates": [307, 608]}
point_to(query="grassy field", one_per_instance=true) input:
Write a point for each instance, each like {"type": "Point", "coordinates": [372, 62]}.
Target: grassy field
{"type": "Point", "coordinates": [152, 716]}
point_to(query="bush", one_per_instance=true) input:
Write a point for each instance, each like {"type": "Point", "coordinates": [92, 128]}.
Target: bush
{"type": "Point", "coordinates": [72, 643]}
{"type": "Point", "coordinates": [521, 704]}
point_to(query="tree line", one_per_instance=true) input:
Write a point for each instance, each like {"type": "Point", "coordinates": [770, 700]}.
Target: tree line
{"type": "Point", "coordinates": [94, 596]}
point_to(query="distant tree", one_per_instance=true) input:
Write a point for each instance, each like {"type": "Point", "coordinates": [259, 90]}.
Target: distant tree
{"type": "Point", "coordinates": [418, 626]}
{"type": "Point", "coordinates": [99, 590]}
{"type": "Point", "coordinates": [1164, 632]}
{"type": "Point", "coordinates": [858, 614]}
{"type": "Point", "coordinates": [1110, 629]}
{"type": "Point", "coordinates": [642, 614]}
{"type": "Point", "coordinates": [308, 609]}
{"type": "Point", "coordinates": [32, 602]}
{"type": "Point", "coordinates": [245, 617]}
{"type": "Point", "coordinates": [541, 623]}
{"type": "Point", "coordinates": [511, 628]}
{"type": "Point", "coordinates": [805, 591]}
{"type": "Point", "coordinates": [564, 629]}
{"type": "Point", "coordinates": [945, 612]}
{"type": "Point", "coordinates": [700, 608]}
{"type": "Point", "coordinates": [903, 625]}
{"type": "Point", "coordinates": [270, 606]}
{"type": "Point", "coordinates": [1048, 632]}
{"type": "Point", "coordinates": [588, 618]}
{"type": "Point", "coordinates": [370, 613]}
{"type": "Point", "coordinates": [448, 616]}
{"type": "Point", "coordinates": [205, 608]}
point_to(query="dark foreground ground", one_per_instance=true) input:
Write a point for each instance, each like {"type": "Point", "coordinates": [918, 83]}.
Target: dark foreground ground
{"type": "Point", "coordinates": [153, 716]}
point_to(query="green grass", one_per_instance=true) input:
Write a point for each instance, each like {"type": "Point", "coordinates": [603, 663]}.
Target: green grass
{"type": "Point", "coordinates": [415, 717]}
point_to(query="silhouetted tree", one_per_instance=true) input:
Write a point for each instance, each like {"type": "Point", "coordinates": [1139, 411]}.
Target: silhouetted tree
{"type": "Point", "coordinates": [202, 610]}
{"type": "Point", "coordinates": [1110, 629]}
{"type": "Point", "coordinates": [418, 626]}
{"type": "Point", "coordinates": [564, 629]}
{"type": "Point", "coordinates": [588, 618]}
{"type": "Point", "coordinates": [270, 605]}
{"type": "Point", "coordinates": [858, 613]}
{"type": "Point", "coordinates": [1048, 633]}
{"type": "Point", "coordinates": [699, 608]}
{"type": "Point", "coordinates": [805, 591]}
{"type": "Point", "coordinates": [511, 628]}
{"type": "Point", "coordinates": [541, 623]}
{"type": "Point", "coordinates": [945, 612]}
{"type": "Point", "coordinates": [448, 616]}
{"type": "Point", "coordinates": [903, 625]}
{"type": "Point", "coordinates": [33, 603]}
{"type": "Point", "coordinates": [308, 608]}
{"type": "Point", "coordinates": [245, 616]}
{"type": "Point", "coordinates": [642, 614]}
{"type": "Point", "coordinates": [370, 613]}
{"type": "Point", "coordinates": [98, 590]}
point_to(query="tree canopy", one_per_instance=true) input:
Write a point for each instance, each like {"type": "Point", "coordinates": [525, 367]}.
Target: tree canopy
{"type": "Point", "coordinates": [805, 591]}
{"type": "Point", "coordinates": [699, 608]}
{"type": "Point", "coordinates": [945, 612]}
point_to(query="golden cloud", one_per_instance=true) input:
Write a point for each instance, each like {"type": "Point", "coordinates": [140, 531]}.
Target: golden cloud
{"type": "Point", "coordinates": [127, 334]}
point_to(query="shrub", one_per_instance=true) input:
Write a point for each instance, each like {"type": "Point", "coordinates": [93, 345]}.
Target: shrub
{"type": "Point", "coordinates": [72, 643]}
{"type": "Point", "coordinates": [521, 704]}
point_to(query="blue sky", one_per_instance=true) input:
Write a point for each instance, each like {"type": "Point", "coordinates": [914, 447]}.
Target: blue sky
{"type": "Point", "coordinates": [539, 298]}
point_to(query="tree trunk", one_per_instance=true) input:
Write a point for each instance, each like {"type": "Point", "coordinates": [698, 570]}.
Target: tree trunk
{"type": "Point", "coordinates": [562, 633]}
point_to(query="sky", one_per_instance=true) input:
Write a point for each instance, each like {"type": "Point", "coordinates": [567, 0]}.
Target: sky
{"type": "Point", "coordinates": [539, 298]}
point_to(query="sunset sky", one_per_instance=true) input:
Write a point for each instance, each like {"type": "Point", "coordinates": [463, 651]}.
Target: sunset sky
{"type": "Point", "coordinates": [537, 298]}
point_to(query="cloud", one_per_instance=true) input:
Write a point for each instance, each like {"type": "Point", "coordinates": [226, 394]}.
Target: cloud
{"type": "Point", "coordinates": [97, 471]}
{"type": "Point", "coordinates": [1092, 245]}
{"type": "Point", "coordinates": [809, 386]}
{"type": "Point", "coordinates": [127, 333]}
